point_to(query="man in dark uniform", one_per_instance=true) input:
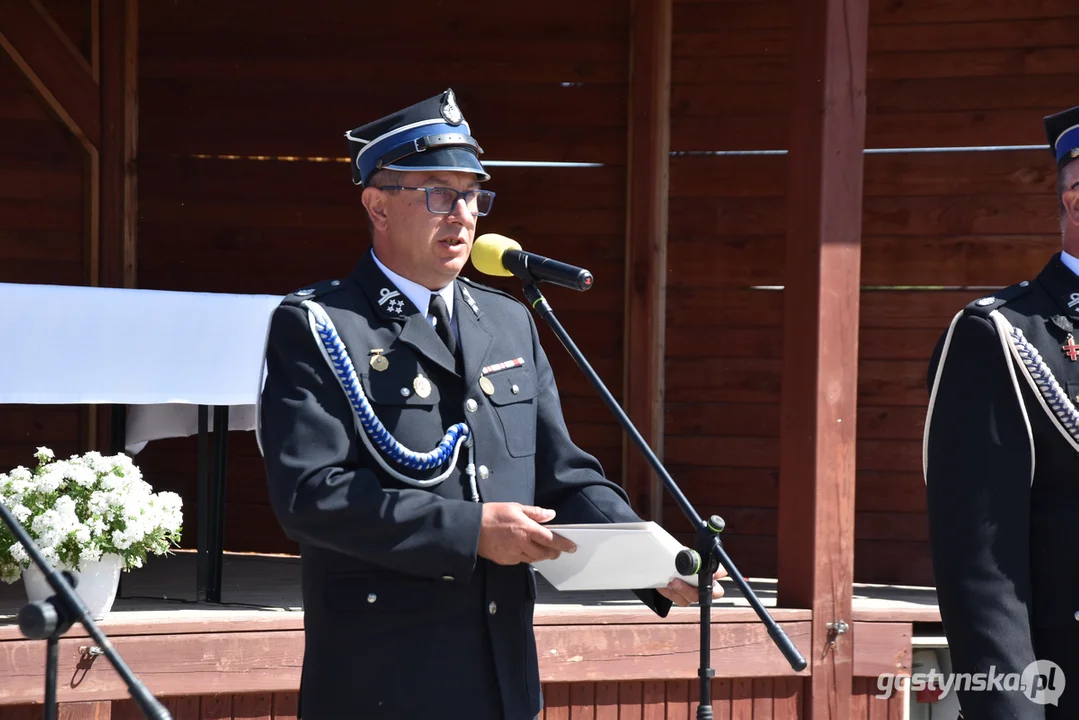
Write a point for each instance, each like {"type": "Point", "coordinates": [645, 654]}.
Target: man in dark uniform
{"type": "Point", "coordinates": [414, 446]}
{"type": "Point", "coordinates": [1002, 474]}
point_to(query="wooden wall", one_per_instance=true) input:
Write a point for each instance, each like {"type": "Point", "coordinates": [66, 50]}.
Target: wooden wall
{"type": "Point", "coordinates": [746, 699]}
{"type": "Point", "coordinates": [940, 74]}
{"type": "Point", "coordinates": [219, 88]}
{"type": "Point", "coordinates": [43, 234]}
{"type": "Point", "coordinates": [536, 84]}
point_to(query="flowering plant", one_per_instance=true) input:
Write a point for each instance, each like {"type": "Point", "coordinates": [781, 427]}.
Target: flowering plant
{"type": "Point", "coordinates": [78, 510]}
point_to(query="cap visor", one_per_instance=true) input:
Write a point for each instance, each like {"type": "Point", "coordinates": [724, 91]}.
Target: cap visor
{"type": "Point", "coordinates": [453, 159]}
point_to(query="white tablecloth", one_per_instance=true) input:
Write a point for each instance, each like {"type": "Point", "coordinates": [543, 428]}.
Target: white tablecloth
{"type": "Point", "coordinates": [164, 353]}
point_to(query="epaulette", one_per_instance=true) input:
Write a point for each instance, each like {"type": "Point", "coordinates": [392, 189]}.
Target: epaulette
{"type": "Point", "coordinates": [986, 305]}
{"type": "Point", "coordinates": [310, 292]}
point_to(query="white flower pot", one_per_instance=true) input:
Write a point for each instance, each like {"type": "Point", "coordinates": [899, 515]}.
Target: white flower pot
{"type": "Point", "coordinates": [97, 586]}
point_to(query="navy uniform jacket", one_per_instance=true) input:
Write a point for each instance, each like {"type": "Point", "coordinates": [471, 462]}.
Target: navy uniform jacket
{"type": "Point", "coordinates": [401, 615]}
{"type": "Point", "coordinates": [1002, 473]}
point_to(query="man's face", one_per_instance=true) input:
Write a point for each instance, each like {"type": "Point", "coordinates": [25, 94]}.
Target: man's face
{"type": "Point", "coordinates": [426, 247]}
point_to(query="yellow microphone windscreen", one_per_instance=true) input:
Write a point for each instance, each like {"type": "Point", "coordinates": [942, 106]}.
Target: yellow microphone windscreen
{"type": "Point", "coordinates": [487, 253]}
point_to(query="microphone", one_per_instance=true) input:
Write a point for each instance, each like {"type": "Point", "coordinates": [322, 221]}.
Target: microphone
{"type": "Point", "coordinates": [498, 255]}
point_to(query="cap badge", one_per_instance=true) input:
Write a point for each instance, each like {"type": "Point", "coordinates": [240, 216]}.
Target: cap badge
{"type": "Point", "coordinates": [450, 111]}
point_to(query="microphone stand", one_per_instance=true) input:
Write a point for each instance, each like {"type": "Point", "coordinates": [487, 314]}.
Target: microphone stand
{"type": "Point", "coordinates": [51, 618]}
{"type": "Point", "coordinates": [706, 559]}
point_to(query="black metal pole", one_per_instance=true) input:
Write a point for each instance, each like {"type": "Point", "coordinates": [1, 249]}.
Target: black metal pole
{"type": "Point", "coordinates": [216, 546]}
{"type": "Point", "coordinates": [706, 559]}
{"type": "Point", "coordinates": [202, 568]}
{"type": "Point", "coordinates": [52, 661]}
{"type": "Point", "coordinates": [52, 618]}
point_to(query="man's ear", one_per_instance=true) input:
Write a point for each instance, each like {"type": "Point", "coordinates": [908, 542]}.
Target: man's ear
{"type": "Point", "coordinates": [375, 201]}
{"type": "Point", "coordinates": [1070, 201]}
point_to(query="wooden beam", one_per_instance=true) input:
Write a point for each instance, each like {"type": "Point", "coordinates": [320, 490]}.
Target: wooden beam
{"type": "Point", "coordinates": [113, 257]}
{"type": "Point", "coordinates": [119, 45]}
{"type": "Point", "coordinates": [54, 66]}
{"type": "Point", "coordinates": [646, 245]}
{"type": "Point", "coordinates": [821, 298]}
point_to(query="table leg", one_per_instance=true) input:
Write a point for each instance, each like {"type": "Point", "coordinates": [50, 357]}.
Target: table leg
{"type": "Point", "coordinates": [117, 445]}
{"type": "Point", "coordinates": [202, 572]}
{"type": "Point", "coordinates": [217, 503]}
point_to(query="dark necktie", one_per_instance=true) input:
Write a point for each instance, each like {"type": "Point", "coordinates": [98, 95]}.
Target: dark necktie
{"type": "Point", "coordinates": [441, 314]}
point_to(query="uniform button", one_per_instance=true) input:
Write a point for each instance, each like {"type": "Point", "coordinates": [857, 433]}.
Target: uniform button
{"type": "Point", "coordinates": [515, 390]}
{"type": "Point", "coordinates": [493, 607]}
{"type": "Point", "coordinates": [448, 578]}
{"type": "Point", "coordinates": [484, 472]}
{"type": "Point", "coordinates": [471, 405]}
{"type": "Point", "coordinates": [1077, 615]}
{"type": "Point", "coordinates": [405, 392]}
{"type": "Point", "coordinates": [372, 597]}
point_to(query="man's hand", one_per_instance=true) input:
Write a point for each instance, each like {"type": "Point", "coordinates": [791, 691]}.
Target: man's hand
{"type": "Point", "coordinates": [511, 533]}
{"type": "Point", "coordinates": [683, 594]}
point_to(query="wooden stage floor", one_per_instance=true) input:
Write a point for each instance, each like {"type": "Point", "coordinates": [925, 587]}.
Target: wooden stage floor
{"type": "Point", "coordinates": [252, 642]}
{"type": "Point", "coordinates": [261, 584]}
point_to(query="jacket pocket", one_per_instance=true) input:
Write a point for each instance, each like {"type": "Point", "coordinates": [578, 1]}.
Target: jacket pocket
{"type": "Point", "coordinates": [514, 401]}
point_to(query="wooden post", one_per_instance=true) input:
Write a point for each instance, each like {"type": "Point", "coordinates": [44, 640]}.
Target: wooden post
{"type": "Point", "coordinates": [646, 245]}
{"type": "Point", "coordinates": [119, 82]}
{"type": "Point", "coordinates": [118, 46]}
{"type": "Point", "coordinates": [820, 391]}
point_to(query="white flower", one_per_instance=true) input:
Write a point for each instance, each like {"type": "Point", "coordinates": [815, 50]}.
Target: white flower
{"type": "Point", "coordinates": [121, 540]}
{"type": "Point", "coordinates": [18, 553]}
{"type": "Point", "coordinates": [44, 453]}
{"type": "Point", "coordinates": [97, 462]}
{"type": "Point", "coordinates": [83, 476]}
{"type": "Point", "coordinates": [21, 512]}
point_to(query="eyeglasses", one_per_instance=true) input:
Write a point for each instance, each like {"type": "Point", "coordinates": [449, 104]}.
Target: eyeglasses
{"type": "Point", "coordinates": [442, 200]}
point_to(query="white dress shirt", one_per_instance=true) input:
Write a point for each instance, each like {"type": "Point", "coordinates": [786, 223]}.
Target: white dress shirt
{"type": "Point", "coordinates": [421, 296]}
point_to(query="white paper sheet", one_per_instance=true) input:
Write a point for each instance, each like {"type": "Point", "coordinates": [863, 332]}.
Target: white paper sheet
{"type": "Point", "coordinates": [615, 556]}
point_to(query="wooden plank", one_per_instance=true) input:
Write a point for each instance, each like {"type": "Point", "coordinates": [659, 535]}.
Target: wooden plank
{"type": "Point", "coordinates": [953, 248]}
{"type": "Point", "coordinates": [630, 699]}
{"type": "Point", "coordinates": [646, 246]}
{"type": "Point", "coordinates": [787, 704]}
{"type": "Point", "coordinates": [894, 561]}
{"type": "Point", "coordinates": [817, 459]}
{"type": "Point", "coordinates": [87, 711]}
{"type": "Point", "coordinates": [881, 647]}
{"type": "Point", "coordinates": [1023, 172]}
{"type": "Point", "coordinates": [253, 706]}
{"type": "Point", "coordinates": [860, 696]}
{"type": "Point", "coordinates": [763, 698]}
{"type": "Point", "coordinates": [235, 104]}
{"type": "Point", "coordinates": [217, 707]}
{"type": "Point", "coordinates": [188, 707]}
{"type": "Point", "coordinates": [285, 706]}
{"type": "Point", "coordinates": [607, 700]}
{"type": "Point", "coordinates": [229, 662]}
{"type": "Point", "coordinates": [678, 700]}
{"type": "Point", "coordinates": [654, 700]}
{"type": "Point", "coordinates": [877, 491]}
{"type": "Point", "coordinates": [651, 652]}
{"type": "Point", "coordinates": [742, 699]}
{"type": "Point", "coordinates": [582, 701]}
{"type": "Point", "coordinates": [55, 68]}
{"type": "Point", "coordinates": [599, 19]}
{"type": "Point", "coordinates": [556, 701]}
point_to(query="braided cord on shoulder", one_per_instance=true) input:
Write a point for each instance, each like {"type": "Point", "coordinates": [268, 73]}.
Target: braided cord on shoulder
{"type": "Point", "coordinates": [371, 428]}
{"type": "Point", "coordinates": [1050, 389]}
